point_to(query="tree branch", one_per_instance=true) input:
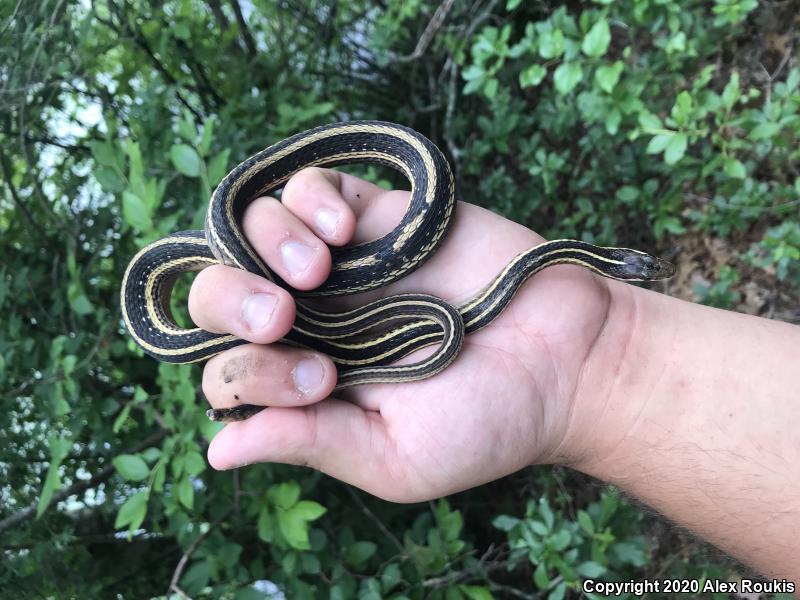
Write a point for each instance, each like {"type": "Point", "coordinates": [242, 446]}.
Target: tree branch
{"type": "Point", "coordinates": [430, 31]}
{"type": "Point", "coordinates": [249, 42]}
{"type": "Point", "coordinates": [139, 39]}
{"type": "Point", "coordinates": [176, 575]}
{"type": "Point", "coordinates": [79, 486]}
{"type": "Point", "coordinates": [219, 15]}
{"type": "Point", "coordinates": [6, 169]}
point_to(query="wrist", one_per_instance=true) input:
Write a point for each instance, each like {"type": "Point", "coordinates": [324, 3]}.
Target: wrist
{"type": "Point", "coordinates": [616, 381]}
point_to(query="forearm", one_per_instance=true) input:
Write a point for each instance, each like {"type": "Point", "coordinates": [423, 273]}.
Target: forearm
{"type": "Point", "coordinates": [695, 411]}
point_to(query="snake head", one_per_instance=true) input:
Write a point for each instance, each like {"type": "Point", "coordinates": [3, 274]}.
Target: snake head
{"type": "Point", "coordinates": [643, 267]}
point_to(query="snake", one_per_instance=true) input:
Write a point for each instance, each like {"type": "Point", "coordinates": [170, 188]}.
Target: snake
{"type": "Point", "coordinates": [366, 342]}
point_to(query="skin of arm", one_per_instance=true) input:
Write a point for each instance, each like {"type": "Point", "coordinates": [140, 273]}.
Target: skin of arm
{"type": "Point", "coordinates": [691, 409]}
{"type": "Point", "coordinates": [695, 411]}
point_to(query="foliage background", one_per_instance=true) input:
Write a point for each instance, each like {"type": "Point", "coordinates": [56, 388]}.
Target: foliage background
{"type": "Point", "coordinates": [651, 123]}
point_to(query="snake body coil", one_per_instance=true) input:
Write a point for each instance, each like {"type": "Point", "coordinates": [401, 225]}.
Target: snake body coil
{"type": "Point", "coordinates": [399, 324]}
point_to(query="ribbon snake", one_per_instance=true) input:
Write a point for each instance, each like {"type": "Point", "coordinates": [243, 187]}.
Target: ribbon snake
{"type": "Point", "coordinates": [366, 342]}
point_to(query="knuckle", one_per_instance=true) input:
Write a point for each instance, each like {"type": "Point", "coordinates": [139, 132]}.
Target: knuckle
{"type": "Point", "coordinates": [306, 179]}
{"type": "Point", "coordinates": [207, 385]}
{"type": "Point", "coordinates": [262, 205]}
{"type": "Point", "coordinates": [202, 288]}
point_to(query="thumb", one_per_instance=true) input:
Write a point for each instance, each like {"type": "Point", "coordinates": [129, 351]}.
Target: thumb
{"type": "Point", "coordinates": [332, 436]}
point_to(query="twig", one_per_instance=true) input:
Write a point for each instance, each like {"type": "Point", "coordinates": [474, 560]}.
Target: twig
{"type": "Point", "coordinates": [512, 591]}
{"type": "Point", "coordinates": [371, 516]}
{"type": "Point", "coordinates": [14, 195]}
{"type": "Point", "coordinates": [454, 150]}
{"type": "Point", "coordinates": [176, 574]}
{"type": "Point", "coordinates": [219, 16]}
{"type": "Point", "coordinates": [430, 31]}
{"type": "Point", "coordinates": [249, 42]}
{"type": "Point", "coordinates": [140, 40]}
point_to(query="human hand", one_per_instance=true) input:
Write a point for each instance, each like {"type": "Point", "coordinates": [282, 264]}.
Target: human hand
{"type": "Point", "coordinates": [506, 402]}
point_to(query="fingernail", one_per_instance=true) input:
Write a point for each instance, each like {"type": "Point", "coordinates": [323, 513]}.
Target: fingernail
{"type": "Point", "coordinates": [296, 256]}
{"type": "Point", "coordinates": [327, 220]}
{"type": "Point", "coordinates": [257, 309]}
{"type": "Point", "coordinates": [308, 374]}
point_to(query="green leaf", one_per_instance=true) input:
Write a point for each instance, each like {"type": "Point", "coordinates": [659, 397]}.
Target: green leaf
{"type": "Point", "coordinates": [122, 417]}
{"type": "Point", "coordinates": [532, 75]}
{"type": "Point", "coordinates": [505, 523]}
{"type": "Point", "coordinates": [629, 554]}
{"type": "Point", "coordinates": [109, 179]}
{"type": "Point", "coordinates": [186, 126]}
{"type": "Point", "coordinates": [360, 552]}
{"type": "Point", "coordinates": [78, 300]}
{"type": "Point", "coordinates": [185, 159]}
{"type": "Point", "coordinates": [59, 447]}
{"type": "Point", "coordinates": [763, 131]}
{"type": "Point", "coordinates": [196, 577]}
{"type": "Point", "coordinates": [131, 466]}
{"type": "Point", "coordinates": [731, 92]}
{"type": "Point", "coordinates": [668, 223]}
{"type": "Point", "coordinates": [185, 492]}
{"type": "Point", "coordinates": [208, 136]}
{"type": "Point", "coordinates": [682, 109]}
{"type": "Point", "coordinates": [310, 563]}
{"type": "Point", "coordinates": [567, 76]}
{"type": "Point", "coordinates": [294, 529]}
{"type": "Point", "coordinates": [649, 122]}
{"type": "Point", "coordinates": [512, 4]}
{"type": "Point", "coordinates": [585, 521]}
{"type": "Point", "coordinates": [607, 76]}
{"type": "Point", "coordinates": [734, 168]}
{"type": "Point", "coordinates": [538, 527]}
{"type": "Point", "coordinates": [590, 569]}
{"type": "Point", "coordinates": [558, 592]}
{"type": "Point", "coordinates": [551, 43]}
{"type": "Point", "coordinates": [659, 143]}
{"type": "Point", "coordinates": [561, 540]}
{"type": "Point", "coordinates": [139, 395]}
{"type": "Point", "coordinates": [217, 167]}
{"type": "Point", "coordinates": [228, 554]}
{"type": "Point", "coordinates": [677, 43]}
{"type": "Point", "coordinates": [676, 148]}
{"type": "Point", "coordinates": [159, 476]}
{"type": "Point", "coordinates": [490, 88]}
{"type": "Point", "coordinates": [103, 153]}
{"type": "Point", "coordinates": [194, 463]}
{"type": "Point", "coordinates": [132, 513]}
{"type": "Point", "coordinates": [289, 563]}
{"type": "Point", "coordinates": [540, 577]}
{"type": "Point", "coordinates": [544, 506]}
{"type": "Point", "coordinates": [613, 119]}
{"type": "Point", "coordinates": [473, 72]}
{"type": "Point", "coordinates": [284, 495]}
{"type": "Point", "coordinates": [135, 212]}
{"type": "Point", "coordinates": [135, 168]}
{"type": "Point", "coordinates": [181, 31]}
{"type": "Point", "coordinates": [596, 41]}
{"type": "Point", "coordinates": [476, 592]}
{"type": "Point", "coordinates": [265, 526]}
{"type": "Point", "coordinates": [627, 193]}
{"type": "Point", "coordinates": [309, 510]}
{"type": "Point", "coordinates": [390, 577]}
